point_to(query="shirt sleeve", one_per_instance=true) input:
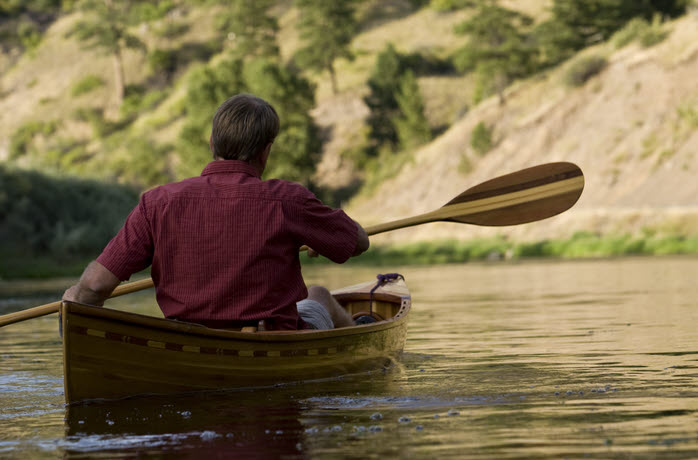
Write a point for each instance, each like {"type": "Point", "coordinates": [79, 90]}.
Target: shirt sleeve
{"type": "Point", "coordinates": [131, 250]}
{"type": "Point", "coordinates": [328, 231]}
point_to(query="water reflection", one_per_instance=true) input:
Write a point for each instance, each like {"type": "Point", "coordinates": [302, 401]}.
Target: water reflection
{"type": "Point", "coordinates": [266, 423]}
{"type": "Point", "coordinates": [537, 360]}
{"type": "Point", "coordinates": [238, 425]}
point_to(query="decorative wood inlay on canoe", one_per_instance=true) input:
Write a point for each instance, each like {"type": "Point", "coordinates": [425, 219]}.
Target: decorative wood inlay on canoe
{"type": "Point", "coordinates": [140, 341]}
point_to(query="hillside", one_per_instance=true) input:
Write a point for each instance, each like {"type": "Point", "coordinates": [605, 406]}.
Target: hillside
{"type": "Point", "coordinates": [633, 128]}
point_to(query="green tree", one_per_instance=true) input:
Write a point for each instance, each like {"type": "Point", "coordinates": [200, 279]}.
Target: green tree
{"type": "Point", "coordinates": [106, 27]}
{"type": "Point", "coordinates": [22, 22]}
{"type": "Point", "coordinates": [326, 29]}
{"type": "Point", "coordinates": [69, 217]}
{"type": "Point", "coordinates": [595, 20]}
{"type": "Point", "coordinates": [670, 8]}
{"type": "Point", "coordinates": [574, 25]}
{"type": "Point", "coordinates": [208, 87]}
{"type": "Point", "coordinates": [14, 8]}
{"type": "Point", "coordinates": [498, 50]}
{"type": "Point", "coordinates": [249, 26]}
{"type": "Point", "coordinates": [411, 125]}
{"type": "Point", "coordinates": [396, 118]}
{"type": "Point", "coordinates": [299, 144]}
{"type": "Point", "coordinates": [381, 100]}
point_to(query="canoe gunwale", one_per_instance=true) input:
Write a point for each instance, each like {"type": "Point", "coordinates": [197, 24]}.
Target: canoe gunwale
{"type": "Point", "coordinates": [193, 329]}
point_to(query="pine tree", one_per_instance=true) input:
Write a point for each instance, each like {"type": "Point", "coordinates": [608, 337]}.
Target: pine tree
{"type": "Point", "coordinates": [593, 21]}
{"type": "Point", "coordinates": [326, 29]}
{"type": "Point", "coordinates": [411, 125]}
{"type": "Point", "coordinates": [575, 24]}
{"type": "Point", "coordinates": [106, 27]}
{"type": "Point", "coordinates": [381, 99]}
{"type": "Point", "coordinates": [249, 26]}
{"type": "Point", "coordinates": [498, 48]}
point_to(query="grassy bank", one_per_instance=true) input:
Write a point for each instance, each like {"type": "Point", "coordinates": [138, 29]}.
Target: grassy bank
{"type": "Point", "coordinates": [581, 245]}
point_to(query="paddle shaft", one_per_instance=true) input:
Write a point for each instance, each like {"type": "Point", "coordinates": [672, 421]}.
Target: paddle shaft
{"type": "Point", "coordinates": [54, 306]}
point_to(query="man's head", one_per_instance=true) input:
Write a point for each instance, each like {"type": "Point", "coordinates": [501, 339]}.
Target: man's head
{"type": "Point", "coordinates": [243, 127]}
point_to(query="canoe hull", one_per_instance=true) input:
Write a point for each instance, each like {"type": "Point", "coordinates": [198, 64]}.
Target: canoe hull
{"type": "Point", "coordinates": [112, 354]}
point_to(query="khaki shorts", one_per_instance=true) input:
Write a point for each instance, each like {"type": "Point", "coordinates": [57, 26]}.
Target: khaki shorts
{"type": "Point", "coordinates": [313, 313]}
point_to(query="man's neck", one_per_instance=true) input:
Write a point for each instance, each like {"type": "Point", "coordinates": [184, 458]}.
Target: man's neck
{"type": "Point", "coordinates": [255, 163]}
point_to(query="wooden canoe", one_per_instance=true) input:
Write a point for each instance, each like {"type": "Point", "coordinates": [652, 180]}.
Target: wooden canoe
{"type": "Point", "coordinates": [110, 354]}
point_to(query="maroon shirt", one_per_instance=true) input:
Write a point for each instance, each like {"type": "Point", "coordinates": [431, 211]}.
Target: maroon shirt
{"type": "Point", "coordinates": [224, 246]}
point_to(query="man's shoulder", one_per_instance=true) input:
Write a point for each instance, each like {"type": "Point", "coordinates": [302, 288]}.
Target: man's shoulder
{"type": "Point", "coordinates": [287, 190]}
{"type": "Point", "coordinates": [275, 189]}
{"type": "Point", "coordinates": [167, 191]}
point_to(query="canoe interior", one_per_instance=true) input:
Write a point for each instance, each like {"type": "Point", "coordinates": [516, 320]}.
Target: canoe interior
{"type": "Point", "coordinates": [113, 354]}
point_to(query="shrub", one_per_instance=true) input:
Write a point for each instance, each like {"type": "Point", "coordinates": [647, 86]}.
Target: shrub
{"type": "Point", "coordinates": [172, 29]}
{"type": "Point", "coordinates": [139, 160]}
{"type": "Point", "coordinates": [67, 217]}
{"type": "Point", "coordinates": [150, 11]}
{"type": "Point", "coordinates": [641, 30]}
{"type": "Point", "coordinates": [630, 32]}
{"type": "Point", "coordinates": [583, 69]}
{"type": "Point", "coordinates": [654, 34]}
{"type": "Point", "coordinates": [481, 138]}
{"type": "Point", "coordinates": [427, 63]}
{"type": "Point", "coordinates": [138, 100]}
{"type": "Point", "coordinates": [450, 5]}
{"type": "Point", "coordinates": [95, 117]}
{"type": "Point", "coordinates": [87, 84]}
{"type": "Point", "coordinates": [29, 34]}
{"type": "Point", "coordinates": [163, 62]}
{"type": "Point", "coordinates": [22, 138]}
{"type": "Point", "coordinates": [689, 114]}
{"type": "Point", "coordinates": [465, 166]}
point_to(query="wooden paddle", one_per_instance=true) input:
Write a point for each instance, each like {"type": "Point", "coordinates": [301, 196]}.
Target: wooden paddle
{"type": "Point", "coordinates": [525, 196]}
{"type": "Point", "coordinates": [54, 306]}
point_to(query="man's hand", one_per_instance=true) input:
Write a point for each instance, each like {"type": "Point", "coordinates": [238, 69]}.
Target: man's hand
{"type": "Point", "coordinates": [71, 294]}
{"type": "Point", "coordinates": [362, 242]}
{"type": "Point", "coordinates": [95, 286]}
{"type": "Point", "coordinates": [312, 252]}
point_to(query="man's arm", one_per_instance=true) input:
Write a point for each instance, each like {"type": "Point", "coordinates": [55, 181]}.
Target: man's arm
{"type": "Point", "coordinates": [362, 243]}
{"type": "Point", "coordinates": [95, 286]}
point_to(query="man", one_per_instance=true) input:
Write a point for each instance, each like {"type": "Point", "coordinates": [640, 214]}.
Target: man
{"type": "Point", "coordinates": [224, 246]}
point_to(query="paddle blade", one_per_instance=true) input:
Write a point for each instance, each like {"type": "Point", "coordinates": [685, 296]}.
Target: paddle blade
{"type": "Point", "coordinates": [524, 196]}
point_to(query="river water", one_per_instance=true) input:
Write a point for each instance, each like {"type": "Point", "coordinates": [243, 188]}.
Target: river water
{"type": "Point", "coordinates": [581, 359]}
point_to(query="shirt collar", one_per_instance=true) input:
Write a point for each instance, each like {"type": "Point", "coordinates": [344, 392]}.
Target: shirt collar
{"type": "Point", "coordinates": [230, 166]}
